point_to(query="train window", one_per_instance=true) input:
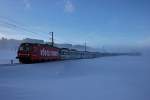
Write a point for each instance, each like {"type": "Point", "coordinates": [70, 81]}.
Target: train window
{"type": "Point", "coordinates": [21, 48]}
{"type": "Point", "coordinates": [25, 47]}
{"type": "Point", "coordinates": [64, 52]}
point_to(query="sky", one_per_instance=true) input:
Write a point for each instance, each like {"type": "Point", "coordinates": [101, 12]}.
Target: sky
{"type": "Point", "coordinates": [98, 22]}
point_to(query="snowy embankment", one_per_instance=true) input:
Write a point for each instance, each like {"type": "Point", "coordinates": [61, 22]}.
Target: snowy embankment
{"type": "Point", "coordinates": [107, 78]}
{"type": "Point", "coordinates": [6, 56]}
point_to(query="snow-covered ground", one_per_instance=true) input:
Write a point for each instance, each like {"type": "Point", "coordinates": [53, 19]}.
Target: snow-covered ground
{"type": "Point", "coordinates": [107, 78]}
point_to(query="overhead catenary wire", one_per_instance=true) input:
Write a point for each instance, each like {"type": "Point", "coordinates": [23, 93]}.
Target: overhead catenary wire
{"type": "Point", "coordinates": [12, 24]}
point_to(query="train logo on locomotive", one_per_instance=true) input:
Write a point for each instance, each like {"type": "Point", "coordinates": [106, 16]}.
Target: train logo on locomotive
{"type": "Point", "coordinates": [45, 52]}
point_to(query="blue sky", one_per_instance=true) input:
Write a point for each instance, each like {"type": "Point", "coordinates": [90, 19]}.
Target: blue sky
{"type": "Point", "coordinates": [99, 22]}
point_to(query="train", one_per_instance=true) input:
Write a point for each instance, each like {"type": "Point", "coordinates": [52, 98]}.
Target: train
{"type": "Point", "coordinates": [35, 52]}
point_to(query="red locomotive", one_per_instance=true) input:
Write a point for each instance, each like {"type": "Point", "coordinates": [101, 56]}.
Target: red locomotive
{"type": "Point", "coordinates": [31, 52]}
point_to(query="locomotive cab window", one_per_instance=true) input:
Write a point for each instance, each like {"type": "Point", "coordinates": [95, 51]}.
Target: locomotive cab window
{"type": "Point", "coordinates": [25, 47]}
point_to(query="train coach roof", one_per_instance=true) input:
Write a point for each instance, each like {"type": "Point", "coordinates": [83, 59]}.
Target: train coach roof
{"type": "Point", "coordinates": [37, 44]}
{"type": "Point", "coordinates": [73, 50]}
{"type": "Point", "coordinates": [64, 48]}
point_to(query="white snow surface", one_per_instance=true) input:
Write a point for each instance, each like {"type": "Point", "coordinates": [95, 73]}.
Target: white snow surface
{"type": "Point", "coordinates": [107, 78]}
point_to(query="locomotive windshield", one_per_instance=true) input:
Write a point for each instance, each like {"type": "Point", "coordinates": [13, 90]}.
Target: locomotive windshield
{"type": "Point", "coordinates": [25, 47]}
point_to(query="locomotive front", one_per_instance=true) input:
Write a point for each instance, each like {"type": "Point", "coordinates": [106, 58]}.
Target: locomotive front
{"type": "Point", "coordinates": [24, 53]}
